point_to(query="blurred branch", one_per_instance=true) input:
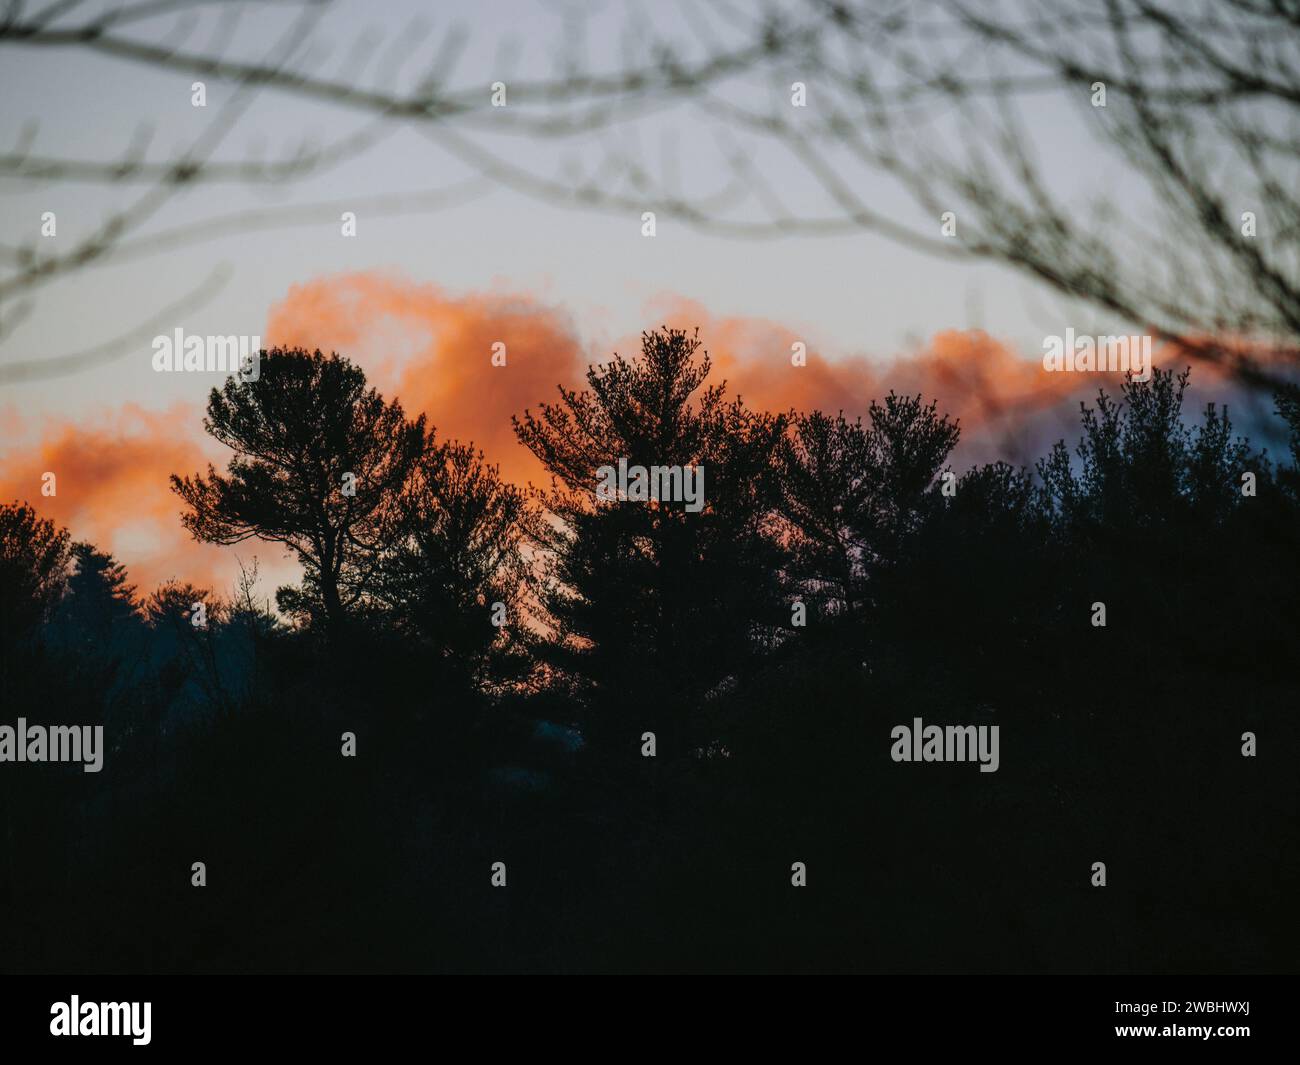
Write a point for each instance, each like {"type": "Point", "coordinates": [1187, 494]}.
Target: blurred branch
{"type": "Point", "coordinates": [47, 367]}
{"type": "Point", "coordinates": [1202, 123]}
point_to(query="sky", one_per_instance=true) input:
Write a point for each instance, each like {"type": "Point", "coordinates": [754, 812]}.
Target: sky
{"type": "Point", "coordinates": [418, 299]}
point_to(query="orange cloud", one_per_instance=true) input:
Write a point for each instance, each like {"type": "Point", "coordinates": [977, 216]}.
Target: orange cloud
{"type": "Point", "coordinates": [973, 376]}
{"type": "Point", "coordinates": [1008, 405]}
{"type": "Point", "coordinates": [111, 489]}
{"type": "Point", "coordinates": [434, 352]}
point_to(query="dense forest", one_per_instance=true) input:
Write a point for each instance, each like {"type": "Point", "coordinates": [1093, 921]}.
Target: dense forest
{"type": "Point", "coordinates": [649, 714]}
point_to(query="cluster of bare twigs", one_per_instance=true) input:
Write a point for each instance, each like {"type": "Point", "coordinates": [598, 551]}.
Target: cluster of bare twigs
{"type": "Point", "coordinates": [1200, 131]}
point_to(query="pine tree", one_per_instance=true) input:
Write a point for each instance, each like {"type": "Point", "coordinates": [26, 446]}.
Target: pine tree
{"type": "Point", "coordinates": [319, 465]}
{"type": "Point", "coordinates": [654, 609]}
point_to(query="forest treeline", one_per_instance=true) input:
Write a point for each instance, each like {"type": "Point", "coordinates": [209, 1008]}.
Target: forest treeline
{"type": "Point", "coordinates": [499, 654]}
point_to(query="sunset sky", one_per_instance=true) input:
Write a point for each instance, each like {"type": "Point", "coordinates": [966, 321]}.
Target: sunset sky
{"type": "Point", "coordinates": [418, 299]}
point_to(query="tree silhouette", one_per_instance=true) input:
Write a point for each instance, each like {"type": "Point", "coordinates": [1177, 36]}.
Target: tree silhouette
{"type": "Point", "coordinates": [170, 609]}
{"type": "Point", "coordinates": [98, 609]}
{"type": "Point", "coordinates": [34, 557]}
{"type": "Point", "coordinates": [853, 494]}
{"type": "Point", "coordinates": [651, 588]}
{"type": "Point", "coordinates": [826, 485]}
{"type": "Point", "coordinates": [458, 553]}
{"type": "Point", "coordinates": [965, 601]}
{"type": "Point", "coordinates": [1142, 467]}
{"type": "Point", "coordinates": [319, 465]}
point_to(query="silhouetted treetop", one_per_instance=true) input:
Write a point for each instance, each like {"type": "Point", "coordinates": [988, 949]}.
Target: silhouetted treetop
{"type": "Point", "coordinates": [319, 464]}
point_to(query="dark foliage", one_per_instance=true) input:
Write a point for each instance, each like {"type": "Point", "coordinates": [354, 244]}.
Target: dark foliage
{"type": "Point", "coordinates": [839, 580]}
